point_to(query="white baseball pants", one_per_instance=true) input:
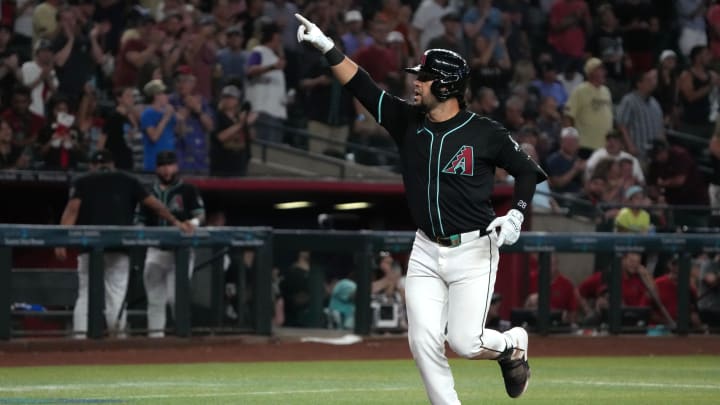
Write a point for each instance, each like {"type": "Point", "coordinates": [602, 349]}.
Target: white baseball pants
{"type": "Point", "coordinates": [117, 270]}
{"type": "Point", "coordinates": [450, 287]}
{"type": "Point", "coordinates": [159, 280]}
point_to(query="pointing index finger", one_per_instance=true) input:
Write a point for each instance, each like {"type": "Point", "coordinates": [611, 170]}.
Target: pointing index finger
{"type": "Point", "coordinates": [303, 20]}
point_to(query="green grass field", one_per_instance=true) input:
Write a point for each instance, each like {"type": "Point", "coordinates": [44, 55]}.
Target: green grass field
{"type": "Point", "coordinates": [637, 380]}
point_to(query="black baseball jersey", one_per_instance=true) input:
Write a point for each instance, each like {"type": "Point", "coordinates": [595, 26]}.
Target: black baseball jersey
{"type": "Point", "coordinates": [449, 167]}
{"type": "Point", "coordinates": [107, 197]}
{"type": "Point", "coordinates": [182, 199]}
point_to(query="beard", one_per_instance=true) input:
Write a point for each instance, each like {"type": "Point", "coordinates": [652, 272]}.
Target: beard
{"type": "Point", "coordinates": [167, 181]}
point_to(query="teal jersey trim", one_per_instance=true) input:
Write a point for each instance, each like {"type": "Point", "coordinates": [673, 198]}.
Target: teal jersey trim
{"type": "Point", "coordinates": [437, 179]}
{"type": "Point", "coordinates": [432, 140]}
{"type": "Point", "coordinates": [379, 109]}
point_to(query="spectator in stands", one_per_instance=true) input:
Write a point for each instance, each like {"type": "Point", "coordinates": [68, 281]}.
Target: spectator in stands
{"type": "Point", "coordinates": [640, 26]}
{"type": "Point", "coordinates": [594, 289]}
{"type": "Point", "coordinates": [397, 17]}
{"type": "Point", "coordinates": [588, 200]}
{"type": "Point", "coordinates": [295, 288]}
{"type": "Point", "coordinates": [10, 59]}
{"type": "Point", "coordinates": [709, 298]}
{"type": "Point", "coordinates": [633, 218]}
{"type": "Point", "coordinates": [200, 54]}
{"type": "Point", "coordinates": [11, 156]}
{"type": "Point", "coordinates": [329, 108]}
{"type": "Point", "coordinates": [39, 76]}
{"type": "Point", "coordinates": [230, 142]}
{"type": "Point", "coordinates": [61, 142]}
{"type": "Point", "coordinates": [714, 187]}
{"type": "Point", "coordinates": [88, 120]}
{"type": "Point", "coordinates": [691, 20]}
{"type": "Point", "coordinates": [355, 37]}
{"type": "Point", "coordinates": [589, 108]}
{"type": "Point", "coordinates": [142, 47]}
{"type": "Point", "coordinates": [485, 103]}
{"type": "Point", "coordinates": [426, 23]}
{"type": "Point", "coordinates": [377, 59]}
{"type": "Point", "coordinates": [639, 115]}
{"type": "Point", "coordinates": [76, 54]}
{"type": "Point", "coordinates": [549, 125]}
{"type": "Point", "coordinates": [571, 77]}
{"type": "Point", "coordinates": [695, 86]}
{"type": "Point", "coordinates": [513, 118]}
{"type": "Point", "coordinates": [570, 23]}
{"type": "Point", "coordinates": [675, 174]}
{"type": "Point", "coordinates": [666, 92]}
{"type": "Point", "coordinates": [609, 168]}
{"type": "Point", "coordinates": [44, 20]}
{"type": "Point", "coordinates": [613, 150]}
{"type": "Point", "coordinates": [265, 85]}
{"type": "Point", "coordinates": [564, 167]}
{"type": "Point", "coordinates": [484, 20]}
{"type": "Point", "coordinates": [158, 123]}
{"type": "Point", "coordinates": [23, 29]}
{"type": "Point", "coordinates": [451, 38]}
{"type": "Point", "coordinates": [607, 44]}
{"type": "Point", "coordinates": [485, 69]}
{"type": "Point", "coordinates": [121, 126]}
{"type": "Point", "coordinates": [233, 58]}
{"type": "Point", "coordinates": [549, 86]}
{"type": "Point", "coordinates": [192, 145]}
{"type": "Point", "coordinates": [398, 47]}
{"type": "Point", "coordinates": [563, 295]}
{"type": "Point", "coordinates": [25, 124]}
{"type": "Point", "coordinates": [283, 13]}
{"type": "Point", "coordinates": [713, 21]}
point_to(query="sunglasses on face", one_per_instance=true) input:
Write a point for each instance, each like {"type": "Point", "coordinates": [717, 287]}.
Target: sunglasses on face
{"type": "Point", "coordinates": [425, 77]}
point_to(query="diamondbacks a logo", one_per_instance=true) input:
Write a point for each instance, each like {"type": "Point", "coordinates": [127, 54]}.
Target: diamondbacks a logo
{"type": "Point", "coordinates": [461, 163]}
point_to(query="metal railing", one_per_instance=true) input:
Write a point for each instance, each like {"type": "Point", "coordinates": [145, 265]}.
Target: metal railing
{"type": "Point", "coordinates": [361, 243]}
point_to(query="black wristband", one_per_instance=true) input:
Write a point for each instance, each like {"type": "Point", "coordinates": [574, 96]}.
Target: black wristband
{"type": "Point", "coordinates": [334, 56]}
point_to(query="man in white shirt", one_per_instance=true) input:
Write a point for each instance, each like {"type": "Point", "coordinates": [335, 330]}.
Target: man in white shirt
{"type": "Point", "coordinates": [613, 150]}
{"type": "Point", "coordinates": [427, 24]}
{"type": "Point", "coordinates": [39, 76]}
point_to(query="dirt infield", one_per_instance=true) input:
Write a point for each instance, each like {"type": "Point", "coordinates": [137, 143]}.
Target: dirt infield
{"type": "Point", "coordinates": [257, 348]}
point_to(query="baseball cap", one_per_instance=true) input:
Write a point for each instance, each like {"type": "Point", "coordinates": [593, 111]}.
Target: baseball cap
{"type": "Point", "coordinates": [668, 53]}
{"type": "Point", "coordinates": [101, 156]}
{"type": "Point", "coordinates": [569, 131]}
{"type": "Point", "coordinates": [154, 87]}
{"type": "Point", "coordinates": [165, 157]}
{"type": "Point", "coordinates": [630, 192]}
{"type": "Point", "coordinates": [592, 64]}
{"type": "Point", "coordinates": [231, 91]}
{"type": "Point", "coordinates": [353, 15]}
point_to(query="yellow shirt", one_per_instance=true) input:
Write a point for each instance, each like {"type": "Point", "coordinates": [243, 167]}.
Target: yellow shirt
{"type": "Point", "coordinates": [627, 221]}
{"type": "Point", "coordinates": [591, 109]}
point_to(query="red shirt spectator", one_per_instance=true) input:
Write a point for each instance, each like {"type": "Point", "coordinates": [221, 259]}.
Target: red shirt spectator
{"type": "Point", "coordinates": [567, 34]}
{"type": "Point", "coordinates": [378, 60]}
{"type": "Point", "coordinates": [25, 124]}
{"type": "Point", "coordinates": [633, 288]}
{"type": "Point", "coordinates": [562, 292]}
{"type": "Point", "coordinates": [713, 18]}
{"type": "Point", "coordinates": [674, 170]}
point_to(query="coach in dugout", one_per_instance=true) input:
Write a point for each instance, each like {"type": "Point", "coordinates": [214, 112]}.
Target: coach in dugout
{"type": "Point", "coordinates": [106, 196]}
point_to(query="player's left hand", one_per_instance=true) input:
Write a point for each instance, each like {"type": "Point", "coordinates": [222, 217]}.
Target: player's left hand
{"type": "Point", "coordinates": [510, 225]}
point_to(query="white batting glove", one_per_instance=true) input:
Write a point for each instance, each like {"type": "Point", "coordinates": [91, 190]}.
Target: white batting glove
{"type": "Point", "coordinates": [510, 225]}
{"type": "Point", "coordinates": [310, 32]}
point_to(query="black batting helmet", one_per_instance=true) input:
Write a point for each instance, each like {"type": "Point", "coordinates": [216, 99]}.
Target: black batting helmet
{"type": "Point", "coordinates": [450, 70]}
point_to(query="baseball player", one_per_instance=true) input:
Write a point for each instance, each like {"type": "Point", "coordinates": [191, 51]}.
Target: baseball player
{"type": "Point", "coordinates": [107, 197]}
{"type": "Point", "coordinates": [185, 202]}
{"type": "Point", "coordinates": [448, 158]}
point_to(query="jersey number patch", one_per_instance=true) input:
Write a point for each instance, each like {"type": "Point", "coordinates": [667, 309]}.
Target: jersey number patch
{"type": "Point", "coordinates": [461, 163]}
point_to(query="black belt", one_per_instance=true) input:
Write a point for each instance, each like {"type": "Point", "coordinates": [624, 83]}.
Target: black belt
{"type": "Point", "coordinates": [455, 240]}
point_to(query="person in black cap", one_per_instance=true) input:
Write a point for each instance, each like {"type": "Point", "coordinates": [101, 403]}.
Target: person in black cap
{"type": "Point", "coordinates": [106, 196]}
{"type": "Point", "coordinates": [184, 202]}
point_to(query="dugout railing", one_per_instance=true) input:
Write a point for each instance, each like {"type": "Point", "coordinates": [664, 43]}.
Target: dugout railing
{"type": "Point", "coordinates": [362, 244]}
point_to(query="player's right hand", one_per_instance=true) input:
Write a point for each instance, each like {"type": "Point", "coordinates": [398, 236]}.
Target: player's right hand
{"type": "Point", "coordinates": [186, 227]}
{"type": "Point", "coordinates": [309, 32]}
